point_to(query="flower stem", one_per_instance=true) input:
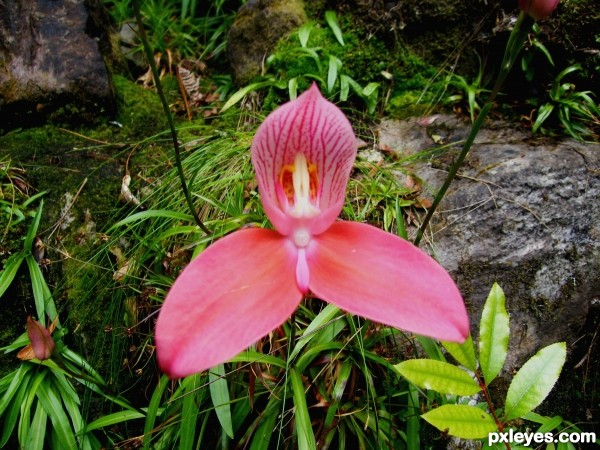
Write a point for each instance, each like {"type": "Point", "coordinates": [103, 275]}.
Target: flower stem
{"type": "Point", "coordinates": [514, 45]}
{"type": "Point", "coordinates": [161, 95]}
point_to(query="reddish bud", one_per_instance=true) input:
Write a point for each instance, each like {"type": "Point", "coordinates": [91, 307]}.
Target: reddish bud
{"type": "Point", "coordinates": [42, 345]}
{"type": "Point", "coordinates": [538, 9]}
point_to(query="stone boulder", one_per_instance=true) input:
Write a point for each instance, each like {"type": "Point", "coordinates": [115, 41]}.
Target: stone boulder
{"type": "Point", "coordinates": [256, 30]}
{"type": "Point", "coordinates": [53, 56]}
{"type": "Point", "coordinates": [523, 212]}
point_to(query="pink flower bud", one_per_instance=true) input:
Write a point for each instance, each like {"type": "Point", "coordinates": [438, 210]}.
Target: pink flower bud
{"type": "Point", "coordinates": [538, 9]}
{"type": "Point", "coordinates": [41, 340]}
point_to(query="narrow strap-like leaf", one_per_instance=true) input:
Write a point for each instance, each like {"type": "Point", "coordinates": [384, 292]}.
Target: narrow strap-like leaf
{"type": "Point", "coordinates": [306, 437]}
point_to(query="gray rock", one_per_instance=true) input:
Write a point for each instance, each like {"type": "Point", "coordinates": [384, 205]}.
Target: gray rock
{"type": "Point", "coordinates": [523, 212]}
{"type": "Point", "coordinates": [52, 55]}
{"type": "Point", "coordinates": [257, 28]}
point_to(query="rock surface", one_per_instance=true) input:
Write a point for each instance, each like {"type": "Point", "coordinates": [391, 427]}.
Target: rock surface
{"type": "Point", "coordinates": [52, 56]}
{"type": "Point", "coordinates": [257, 28]}
{"type": "Point", "coordinates": [523, 212]}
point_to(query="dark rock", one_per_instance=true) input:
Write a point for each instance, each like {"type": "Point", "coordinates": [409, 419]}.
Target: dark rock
{"type": "Point", "coordinates": [53, 61]}
{"type": "Point", "coordinates": [524, 213]}
{"type": "Point", "coordinates": [257, 28]}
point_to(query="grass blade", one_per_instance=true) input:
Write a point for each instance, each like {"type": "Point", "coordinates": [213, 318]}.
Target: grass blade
{"type": "Point", "coordinates": [152, 412]}
{"type": "Point", "coordinates": [306, 437]}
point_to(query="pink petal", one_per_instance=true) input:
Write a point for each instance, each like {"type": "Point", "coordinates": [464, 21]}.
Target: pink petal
{"type": "Point", "coordinates": [40, 338]}
{"type": "Point", "coordinates": [317, 128]}
{"type": "Point", "coordinates": [377, 275]}
{"type": "Point", "coordinates": [234, 293]}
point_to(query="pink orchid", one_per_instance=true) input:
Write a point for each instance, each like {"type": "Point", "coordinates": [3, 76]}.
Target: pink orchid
{"type": "Point", "coordinates": [538, 9]}
{"type": "Point", "coordinates": [249, 282]}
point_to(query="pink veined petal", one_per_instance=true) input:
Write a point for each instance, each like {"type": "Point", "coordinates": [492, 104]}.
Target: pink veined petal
{"type": "Point", "coordinates": [377, 275]}
{"type": "Point", "coordinates": [231, 295]}
{"type": "Point", "coordinates": [318, 129]}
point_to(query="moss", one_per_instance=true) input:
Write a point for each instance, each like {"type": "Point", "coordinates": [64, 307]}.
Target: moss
{"type": "Point", "coordinates": [63, 162]}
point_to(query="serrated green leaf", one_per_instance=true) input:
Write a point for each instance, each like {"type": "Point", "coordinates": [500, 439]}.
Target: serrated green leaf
{"type": "Point", "coordinates": [463, 421]}
{"type": "Point", "coordinates": [440, 376]}
{"type": "Point", "coordinates": [493, 334]}
{"type": "Point", "coordinates": [219, 394]}
{"type": "Point", "coordinates": [534, 381]}
{"type": "Point", "coordinates": [463, 353]}
{"type": "Point", "coordinates": [306, 436]}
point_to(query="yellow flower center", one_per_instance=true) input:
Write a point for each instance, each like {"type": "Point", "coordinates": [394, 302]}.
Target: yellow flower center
{"type": "Point", "coordinates": [300, 184]}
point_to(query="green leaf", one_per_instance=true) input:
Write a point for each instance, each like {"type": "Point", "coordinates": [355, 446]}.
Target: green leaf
{"type": "Point", "coordinates": [534, 381]}
{"type": "Point", "coordinates": [32, 230]}
{"type": "Point", "coordinates": [320, 321]}
{"type": "Point", "coordinates": [145, 215]}
{"type": "Point", "coordinates": [439, 376]}
{"type": "Point", "coordinates": [493, 334]}
{"type": "Point", "coordinates": [463, 353]}
{"type": "Point", "coordinates": [153, 409]}
{"type": "Point", "coordinates": [11, 266]}
{"type": "Point", "coordinates": [344, 88]}
{"type": "Point", "coordinates": [463, 421]}
{"type": "Point", "coordinates": [239, 95]}
{"type": "Point", "coordinates": [54, 408]}
{"type": "Point", "coordinates": [306, 437]}
{"type": "Point", "coordinates": [304, 33]}
{"type": "Point", "coordinates": [44, 303]}
{"type": "Point", "coordinates": [219, 394]}
{"type": "Point", "coordinates": [189, 412]}
{"type": "Point", "coordinates": [332, 73]}
{"type": "Point", "coordinates": [114, 418]}
{"type": "Point", "coordinates": [251, 356]}
{"type": "Point", "coordinates": [331, 19]}
{"type": "Point", "coordinates": [293, 88]}
{"type": "Point", "coordinates": [543, 113]}
{"type": "Point", "coordinates": [37, 432]}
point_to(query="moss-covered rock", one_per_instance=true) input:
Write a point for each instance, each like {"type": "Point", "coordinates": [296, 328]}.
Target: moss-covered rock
{"type": "Point", "coordinates": [256, 30]}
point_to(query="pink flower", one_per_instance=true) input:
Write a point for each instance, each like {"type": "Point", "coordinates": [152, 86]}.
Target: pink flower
{"type": "Point", "coordinates": [248, 283]}
{"type": "Point", "coordinates": [538, 9]}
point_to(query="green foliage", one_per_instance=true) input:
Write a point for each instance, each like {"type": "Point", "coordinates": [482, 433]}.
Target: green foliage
{"type": "Point", "coordinates": [45, 388]}
{"type": "Point", "coordinates": [178, 26]}
{"type": "Point", "coordinates": [576, 110]}
{"type": "Point", "coordinates": [315, 54]}
{"type": "Point", "coordinates": [526, 391]}
{"type": "Point", "coordinates": [493, 334]}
